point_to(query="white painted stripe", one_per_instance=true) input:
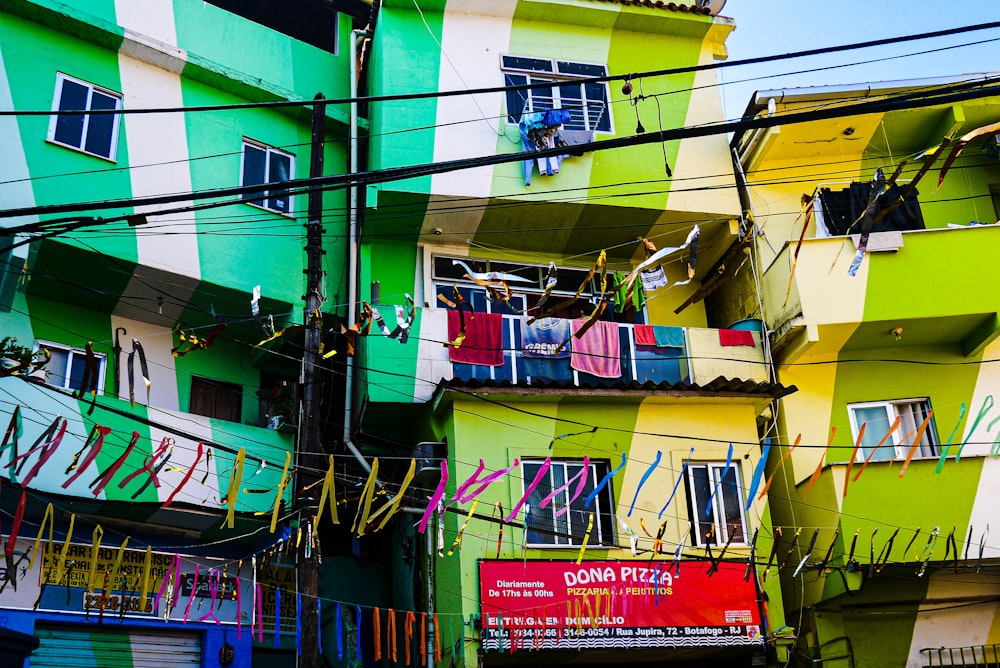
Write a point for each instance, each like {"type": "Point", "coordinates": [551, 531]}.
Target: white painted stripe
{"type": "Point", "coordinates": [471, 47]}
{"type": "Point", "coordinates": [156, 342]}
{"type": "Point", "coordinates": [184, 455]}
{"type": "Point", "coordinates": [153, 18]}
{"type": "Point", "coordinates": [433, 364]}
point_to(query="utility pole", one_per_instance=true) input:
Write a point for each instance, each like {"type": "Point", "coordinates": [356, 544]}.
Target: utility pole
{"type": "Point", "coordinates": [307, 573]}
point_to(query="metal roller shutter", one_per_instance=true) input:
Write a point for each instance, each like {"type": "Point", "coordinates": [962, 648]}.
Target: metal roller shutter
{"type": "Point", "coordinates": [62, 646]}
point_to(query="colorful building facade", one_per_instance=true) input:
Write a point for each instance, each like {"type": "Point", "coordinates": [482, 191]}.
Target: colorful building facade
{"type": "Point", "coordinates": [160, 433]}
{"type": "Point", "coordinates": [891, 348]}
{"type": "Point", "coordinates": [573, 474]}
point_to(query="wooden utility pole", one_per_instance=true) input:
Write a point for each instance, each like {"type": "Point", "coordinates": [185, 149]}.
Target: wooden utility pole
{"type": "Point", "coordinates": [309, 427]}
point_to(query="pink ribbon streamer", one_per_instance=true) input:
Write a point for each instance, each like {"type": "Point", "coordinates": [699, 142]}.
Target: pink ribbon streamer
{"type": "Point", "coordinates": [483, 484]}
{"type": "Point", "coordinates": [103, 479]}
{"type": "Point", "coordinates": [260, 616]}
{"type": "Point", "coordinates": [147, 465]}
{"type": "Point", "coordinates": [187, 476]}
{"type": "Point", "coordinates": [214, 580]}
{"type": "Point", "coordinates": [582, 477]}
{"type": "Point", "coordinates": [531, 488]}
{"type": "Point", "coordinates": [47, 451]}
{"type": "Point", "coordinates": [91, 455]}
{"type": "Point", "coordinates": [438, 494]}
{"type": "Point", "coordinates": [174, 566]}
{"type": "Point", "coordinates": [194, 591]}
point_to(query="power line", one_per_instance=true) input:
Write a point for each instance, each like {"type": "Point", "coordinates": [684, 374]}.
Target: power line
{"type": "Point", "coordinates": [547, 84]}
{"type": "Point", "coordinates": [945, 95]}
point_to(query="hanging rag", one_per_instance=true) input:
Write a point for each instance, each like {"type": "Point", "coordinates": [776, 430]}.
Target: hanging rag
{"type": "Point", "coordinates": [598, 351]}
{"type": "Point", "coordinates": [483, 342]}
{"type": "Point", "coordinates": [543, 339]}
{"type": "Point", "coordinates": [736, 337]}
{"type": "Point", "coordinates": [644, 335]}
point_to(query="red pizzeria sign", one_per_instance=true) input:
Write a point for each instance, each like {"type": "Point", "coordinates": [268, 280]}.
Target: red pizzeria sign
{"type": "Point", "coordinates": [599, 604]}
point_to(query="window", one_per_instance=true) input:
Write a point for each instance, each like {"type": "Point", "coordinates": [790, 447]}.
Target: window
{"type": "Point", "coordinates": [724, 519]}
{"type": "Point", "coordinates": [263, 164]}
{"type": "Point", "coordinates": [446, 272]}
{"type": "Point", "coordinates": [95, 134]}
{"type": "Point", "coordinates": [587, 102]}
{"type": "Point", "coordinates": [215, 399]}
{"type": "Point", "coordinates": [67, 367]}
{"type": "Point", "coordinates": [545, 529]}
{"type": "Point", "coordinates": [878, 416]}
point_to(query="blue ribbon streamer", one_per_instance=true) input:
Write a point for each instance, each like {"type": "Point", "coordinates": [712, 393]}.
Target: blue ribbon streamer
{"type": "Point", "coordinates": [319, 625]}
{"type": "Point", "coordinates": [277, 618]}
{"type": "Point", "coordinates": [298, 623]}
{"type": "Point", "coordinates": [947, 444]}
{"type": "Point", "coordinates": [645, 477]}
{"type": "Point", "coordinates": [340, 635]}
{"type": "Point", "coordinates": [758, 474]}
{"type": "Point", "coordinates": [729, 462]}
{"type": "Point", "coordinates": [656, 585]}
{"type": "Point", "coordinates": [357, 632]}
{"type": "Point", "coordinates": [676, 484]}
{"type": "Point", "coordinates": [604, 481]}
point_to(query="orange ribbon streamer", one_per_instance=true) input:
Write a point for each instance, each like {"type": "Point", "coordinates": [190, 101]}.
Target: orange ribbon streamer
{"type": "Point", "coordinates": [437, 639]}
{"type": "Point", "coordinates": [822, 460]}
{"type": "Point", "coordinates": [377, 631]}
{"type": "Point", "coordinates": [854, 455]}
{"type": "Point", "coordinates": [892, 428]}
{"type": "Point", "coordinates": [423, 638]}
{"type": "Point", "coordinates": [408, 632]}
{"type": "Point", "coordinates": [392, 634]}
{"type": "Point", "coordinates": [916, 442]}
{"type": "Point", "coordinates": [770, 478]}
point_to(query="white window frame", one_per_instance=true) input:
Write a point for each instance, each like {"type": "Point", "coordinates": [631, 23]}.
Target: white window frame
{"type": "Point", "coordinates": [597, 539]}
{"type": "Point", "coordinates": [892, 410]}
{"type": "Point", "coordinates": [54, 119]}
{"type": "Point", "coordinates": [248, 198]}
{"type": "Point", "coordinates": [716, 471]}
{"type": "Point", "coordinates": [558, 78]}
{"type": "Point", "coordinates": [71, 352]}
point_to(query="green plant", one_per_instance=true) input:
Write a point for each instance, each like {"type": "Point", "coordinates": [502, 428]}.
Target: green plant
{"type": "Point", "coordinates": [16, 359]}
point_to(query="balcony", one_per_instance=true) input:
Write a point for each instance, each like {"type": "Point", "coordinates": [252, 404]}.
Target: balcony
{"type": "Point", "coordinates": [930, 284]}
{"type": "Point", "coordinates": [698, 361]}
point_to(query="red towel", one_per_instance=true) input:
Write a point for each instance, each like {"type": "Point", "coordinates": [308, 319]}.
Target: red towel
{"type": "Point", "coordinates": [598, 351]}
{"type": "Point", "coordinates": [736, 337]}
{"type": "Point", "coordinates": [644, 335]}
{"type": "Point", "coordinates": [483, 338]}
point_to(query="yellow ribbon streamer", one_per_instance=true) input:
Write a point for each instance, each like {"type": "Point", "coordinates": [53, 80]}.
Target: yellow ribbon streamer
{"type": "Point", "coordinates": [62, 555]}
{"type": "Point", "coordinates": [361, 518]}
{"type": "Point", "coordinates": [144, 589]}
{"type": "Point", "coordinates": [233, 493]}
{"type": "Point", "coordinates": [586, 539]}
{"type": "Point", "coordinates": [95, 546]}
{"type": "Point", "coordinates": [329, 491]}
{"type": "Point", "coordinates": [118, 563]}
{"type": "Point", "coordinates": [38, 539]}
{"type": "Point", "coordinates": [394, 504]}
{"type": "Point", "coordinates": [461, 531]}
{"type": "Point", "coordinates": [281, 489]}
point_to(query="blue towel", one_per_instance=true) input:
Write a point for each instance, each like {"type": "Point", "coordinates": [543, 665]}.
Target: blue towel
{"type": "Point", "coordinates": [669, 337]}
{"type": "Point", "coordinates": [542, 338]}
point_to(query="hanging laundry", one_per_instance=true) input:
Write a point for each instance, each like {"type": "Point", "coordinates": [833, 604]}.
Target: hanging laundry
{"type": "Point", "coordinates": [598, 351]}
{"type": "Point", "coordinates": [644, 335]}
{"type": "Point", "coordinates": [543, 339]}
{"type": "Point", "coordinates": [736, 337]}
{"type": "Point", "coordinates": [659, 336]}
{"type": "Point", "coordinates": [653, 279]}
{"type": "Point", "coordinates": [483, 339]}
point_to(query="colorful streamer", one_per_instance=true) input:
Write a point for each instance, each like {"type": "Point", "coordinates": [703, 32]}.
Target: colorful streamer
{"type": "Point", "coordinates": [390, 508]}
{"type": "Point", "coordinates": [329, 492]}
{"type": "Point", "coordinates": [854, 456]}
{"type": "Point", "coordinates": [281, 489]}
{"type": "Point", "coordinates": [408, 621]}
{"type": "Point", "coordinates": [643, 479]}
{"type": "Point", "coordinates": [95, 547]}
{"type": "Point", "coordinates": [758, 473]}
{"type": "Point", "coordinates": [277, 617]}
{"type": "Point", "coordinates": [187, 476]}
{"type": "Point", "coordinates": [916, 442]}
{"type": "Point", "coordinates": [377, 633]}
{"type": "Point", "coordinates": [581, 478]}
{"type": "Point", "coordinates": [983, 410]}
{"type": "Point", "coordinates": [233, 493]}
{"type": "Point", "coordinates": [951, 436]}
{"type": "Point", "coordinates": [102, 480]}
{"type": "Point", "coordinates": [718, 485]}
{"type": "Point", "coordinates": [432, 504]}
{"type": "Point", "coordinates": [194, 592]}
{"type": "Point", "coordinates": [822, 460]}
{"type": "Point", "coordinates": [340, 632]}
{"type": "Point", "coordinates": [462, 497]}
{"type": "Point", "coordinates": [458, 538]}
{"type": "Point", "coordinates": [893, 427]}
{"type": "Point", "coordinates": [677, 485]}
{"type": "Point", "coordinates": [541, 475]}
{"type": "Point", "coordinates": [589, 499]}
{"type": "Point", "coordinates": [586, 539]}
{"type": "Point", "coordinates": [298, 624]}
{"type": "Point", "coordinates": [95, 441]}
{"type": "Point", "coordinates": [259, 612]}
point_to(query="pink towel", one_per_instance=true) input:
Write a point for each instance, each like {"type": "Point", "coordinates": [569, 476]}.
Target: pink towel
{"type": "Point", "coordinates": [644, 335]}
{"type": "Point", "coordinates": [483, 338]}
{"type": "Point", "coordinates": [735, 337]}
{"type": "Point", "coordinates": [597, 352]}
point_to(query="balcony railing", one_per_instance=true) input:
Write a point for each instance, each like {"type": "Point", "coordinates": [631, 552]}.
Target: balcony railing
{"type": "Point", "coordinates": [978, 656]}
{"type": "Point", "coordinates": [700, 359]}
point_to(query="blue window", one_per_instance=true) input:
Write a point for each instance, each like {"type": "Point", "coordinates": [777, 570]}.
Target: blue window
{"type": "Point", "coordinates": [96, 134]}
{"type": "Point", "coordinates": [263, 164]}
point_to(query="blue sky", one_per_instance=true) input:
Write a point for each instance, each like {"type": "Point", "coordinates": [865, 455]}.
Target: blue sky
{"type": "Point", "coordinates": [766, 27]}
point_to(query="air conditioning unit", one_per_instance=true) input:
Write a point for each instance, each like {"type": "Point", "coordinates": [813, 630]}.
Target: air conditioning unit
{"type": "Point", "coordinates": [429, 455]}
